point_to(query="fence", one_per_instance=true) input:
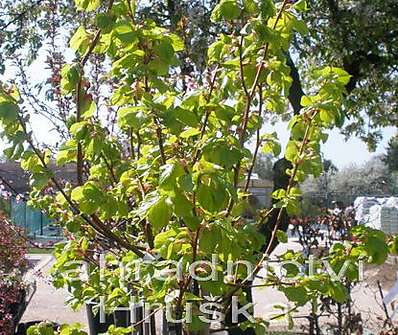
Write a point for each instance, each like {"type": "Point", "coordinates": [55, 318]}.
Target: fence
{"type": "Point", "coordinates": [34, 222]}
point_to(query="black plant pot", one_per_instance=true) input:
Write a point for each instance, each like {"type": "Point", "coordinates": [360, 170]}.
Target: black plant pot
{"type": "Point", "coordinates": [93, 320]}
{"type": "Point", "coordinates": [122, 318]}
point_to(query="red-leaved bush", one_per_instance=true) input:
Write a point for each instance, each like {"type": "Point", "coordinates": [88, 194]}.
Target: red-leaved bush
{"type": "Point", "coordinates": [13, 263]}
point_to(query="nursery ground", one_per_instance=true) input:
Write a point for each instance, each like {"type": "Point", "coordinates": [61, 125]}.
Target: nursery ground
{"type": "Point", "coordinates": [49, 303]}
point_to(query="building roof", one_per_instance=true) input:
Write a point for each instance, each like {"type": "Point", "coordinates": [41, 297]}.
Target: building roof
{"type": "Point", "coordinates": [18, 179]}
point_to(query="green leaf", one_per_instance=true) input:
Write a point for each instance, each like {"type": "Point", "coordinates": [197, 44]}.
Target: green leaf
{"type": "Point", "coordinates": [378, 249]}
{"type": "Point", "coordinates": [281, 236]}
{"type": "Point", "coordinates": [165, 51]}
{"type": "Point", "coordinates": [177, 43]}
{"type": "Point", "coordinates": [338, 292]}
{"type": "Point", "coordinates": [267, 8]}
{"type": "Point", "coordinates": [271, 145]}
{"type": "Point", "coordinates": [164, 238]}
{"type": "Point", "coordinates": [301, 27]}
{"type": "Point", "coordinates": [182, 206]}
{"type": "Point", "coordinates": [211, 197]}
{"type": "Point", "coordinates": [87, 107]}
{"type": "Point", "coordinates": [159, 214]}
{"type": "Point", "coordinates": [192, 222]}
{"type": "Point", "coordinates": [227, 10]}
{"type": "Point", "coordinates": [73, 329]}
{"type": "Point", "coordinates": [279, 194]}
{"type": "Point", "coordinates": [39, 180]}
{"type": "Point", "coordinates": [334, 74]}
{"type": "Point", "coordinates": [41, 329]}
{"type": "Point", "coordinates": [250, 6]}
{"type": "Point", "coordinates": [306, 100]}
{"type": "Point", "coordinates": [94, 147]}
{"type": "Point", "coordinates": [296, 294]}
{"type": "Point", "coordinates": [80, 40]}
{"type": "Point", "coordinates": [301, 5]}
{"type": "Point", "coordinates": [126, 34]}
{"type": "Point", "coordinates": [67, 153]}
{"type": "Point", "coordinates": [104, 21]}
{"type": "Point", "coordinates": [89, 197]}
{"type": "Point", "coordinates": [190, 133]}
{"type": "Point", "coordinates": [292, 207]}
{"type": "Point", "coordinates": [209, 238]}
{"type": "Point", "coordinates": [88, 5]}
{"type": "Point", "coordinates": [8, 112]}
{"type": "Point", "coordinates": [73, 226]}
{"type": "Point", "coordinates": [291, 151]}
{"type": "Point", "coordinates": [295, 192]}
{"type": "Point", "coordinates": [221, 153]}
{"type": "Point", "coordinates": [79, 130]}
{"type": "Point", "coordinates": [214, 52]}
{"type": "Point", "coordinates": [326, 116]}
{"type": "Point", "coordinates": [70, 75]}
{"type": "Point", "coordinates": [170, 173]}
{"type": "Point", "coordinates": [186, 117]}
{"type": "Point", "coordinates": [131, 117]}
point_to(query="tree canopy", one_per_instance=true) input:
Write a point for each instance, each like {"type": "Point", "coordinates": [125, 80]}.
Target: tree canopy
{"type": "Point", "coordinates": [359, 36]}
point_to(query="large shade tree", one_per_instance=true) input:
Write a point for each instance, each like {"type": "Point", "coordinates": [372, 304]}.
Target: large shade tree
{"type": "Point", "coordinates": [361, 36]}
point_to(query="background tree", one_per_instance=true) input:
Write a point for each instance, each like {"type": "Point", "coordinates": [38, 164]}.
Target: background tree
{"type": "Point", "coordinates": [361, 36]}
{"type": "Point", "coordinates": [372, 178]}
{"type": "Point", "coordinates": [264, 167]}
{"type": "Point", "coordinates": [391, 155]}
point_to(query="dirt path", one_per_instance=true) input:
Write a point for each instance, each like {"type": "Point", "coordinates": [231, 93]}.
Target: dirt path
{"type": "Point", "coordinates": [48, 303]}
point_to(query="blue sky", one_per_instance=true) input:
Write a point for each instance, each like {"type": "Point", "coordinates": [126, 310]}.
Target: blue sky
{"type": "Point", "coordinates": [340, 151]}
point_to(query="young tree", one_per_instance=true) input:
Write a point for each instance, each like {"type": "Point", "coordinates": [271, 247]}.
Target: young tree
{"type": "Point", "coordinates": [158, 161]}
{"type": "Point", "coordinates": [370, 92]}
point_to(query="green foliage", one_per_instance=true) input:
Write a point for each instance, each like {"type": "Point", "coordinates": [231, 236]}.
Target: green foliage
{"type": "Point", "coordinates": [281, 236]}
{"type": "Point", "coordinates": [162, 180]}
{"type": "Point", "coordinates": [88, 5]}
{"type": "Point", "coordinates": [344, 37]}
{"type": "Point", "coordinates": [44, 328]}
{"type": "Point", "coordinates": [391, 155]}
{"type": "Point", "coordinates": [227, 10]}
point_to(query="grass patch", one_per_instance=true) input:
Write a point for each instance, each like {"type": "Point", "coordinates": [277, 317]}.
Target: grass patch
{"type": "Point", "coordinates": [40, 250]}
